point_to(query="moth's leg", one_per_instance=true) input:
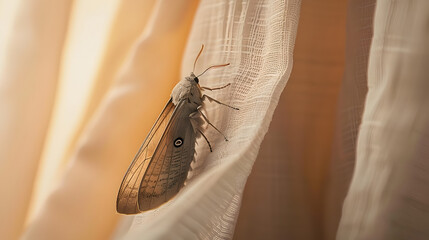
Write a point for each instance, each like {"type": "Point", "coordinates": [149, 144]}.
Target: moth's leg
{"type": "Point", "coordinates": [194, 116]}
{"type": "Point", "coordinates": [210, 146]}
{"type": "Point", "coordinates": [196, 120]}
{"type": "Point", "coordinates": [217, 88]}
{"type": "Point", "coordinates": [207, 120]}
{"type": "Point", "coordinates": [212, 99]}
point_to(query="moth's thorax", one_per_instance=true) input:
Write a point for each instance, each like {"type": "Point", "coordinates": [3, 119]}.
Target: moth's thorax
{"type": "Point", "coordinates": [187, 89]}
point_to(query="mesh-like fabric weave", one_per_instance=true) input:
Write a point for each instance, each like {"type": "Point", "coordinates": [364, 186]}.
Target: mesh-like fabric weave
{"type": "Point", "coordinates": [388, 195]}
{"type": "Point", "coordinates": [257, 38]}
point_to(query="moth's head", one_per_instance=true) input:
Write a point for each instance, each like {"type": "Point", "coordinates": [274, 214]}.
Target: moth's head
{"type": "Point", "coordinates": [193, 78]}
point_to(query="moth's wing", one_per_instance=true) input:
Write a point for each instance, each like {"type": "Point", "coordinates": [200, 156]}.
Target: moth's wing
{"type": "Point", "coordinates": [126, 202]}
{"type": "Point", "coordinates": [170, 163]}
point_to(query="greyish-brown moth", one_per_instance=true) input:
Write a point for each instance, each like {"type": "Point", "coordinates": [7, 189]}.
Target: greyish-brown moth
{"type": "Point", "coordinates": [162, 163]}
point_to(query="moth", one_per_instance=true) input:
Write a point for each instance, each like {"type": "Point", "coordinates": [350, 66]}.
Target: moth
{"type": "Point", "coordinates": [162, 163]}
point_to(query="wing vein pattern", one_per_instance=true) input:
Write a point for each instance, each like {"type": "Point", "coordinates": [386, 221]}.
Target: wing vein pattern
{"type": "Point", "coordinates": [160, 167]}
{"type": "Point", "coordinates": [127, 201]}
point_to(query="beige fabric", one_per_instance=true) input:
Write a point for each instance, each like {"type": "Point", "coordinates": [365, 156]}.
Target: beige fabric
{"type": "Point", "coordinates": [388, 197]}
{"type": "Point", "coordinates": [81, 83]}
{"type": "Point", "coordinates": [87, 190]}
{"type": "Point", "coordinates": [261, 61]}
{"type": "Point", "coordinates": [284, 195]}
{"type": "Point", "coordinates": [28, 79]}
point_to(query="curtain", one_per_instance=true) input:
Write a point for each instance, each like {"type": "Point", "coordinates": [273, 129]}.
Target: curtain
{"type": "Point", "coordinates": [330, 141]}
{"type": "Point", "coordinates": [284, 194]}
{"type": "Point", "coordinates": [387, 198]}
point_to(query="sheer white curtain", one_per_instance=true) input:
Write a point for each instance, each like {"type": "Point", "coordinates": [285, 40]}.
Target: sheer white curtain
{"type": "Point", "coordinates": [388, 196]}
{"type": "Point", "coordinates": [81, 83]}
{"type": "Point", "coordinates": [257, 38]}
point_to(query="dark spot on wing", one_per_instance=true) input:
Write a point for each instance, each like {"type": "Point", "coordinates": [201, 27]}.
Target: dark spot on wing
{"type": "Point", "coordinates": [178, 142]}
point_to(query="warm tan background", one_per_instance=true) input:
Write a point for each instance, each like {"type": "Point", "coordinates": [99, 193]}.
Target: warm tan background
{"type": "Point", "coordinates": [70, 69]}
{"type": "Point", "coordinates": [307, 158]}
{"type": "Point", "coordinates": [285, 194]}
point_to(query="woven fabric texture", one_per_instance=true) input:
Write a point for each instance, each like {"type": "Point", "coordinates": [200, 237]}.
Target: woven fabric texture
{"type": "Point", "coordinates": [261, 62]}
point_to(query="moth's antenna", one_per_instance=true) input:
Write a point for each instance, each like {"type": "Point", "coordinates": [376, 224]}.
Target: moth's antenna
{"type": "Point", "coordinates": [215, 66]}
{"type": "Point", "coordinates": [196, 59]}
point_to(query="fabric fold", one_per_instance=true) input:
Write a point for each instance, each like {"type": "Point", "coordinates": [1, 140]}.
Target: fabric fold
{"type": "Point", "coordinates": [388, 196]}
